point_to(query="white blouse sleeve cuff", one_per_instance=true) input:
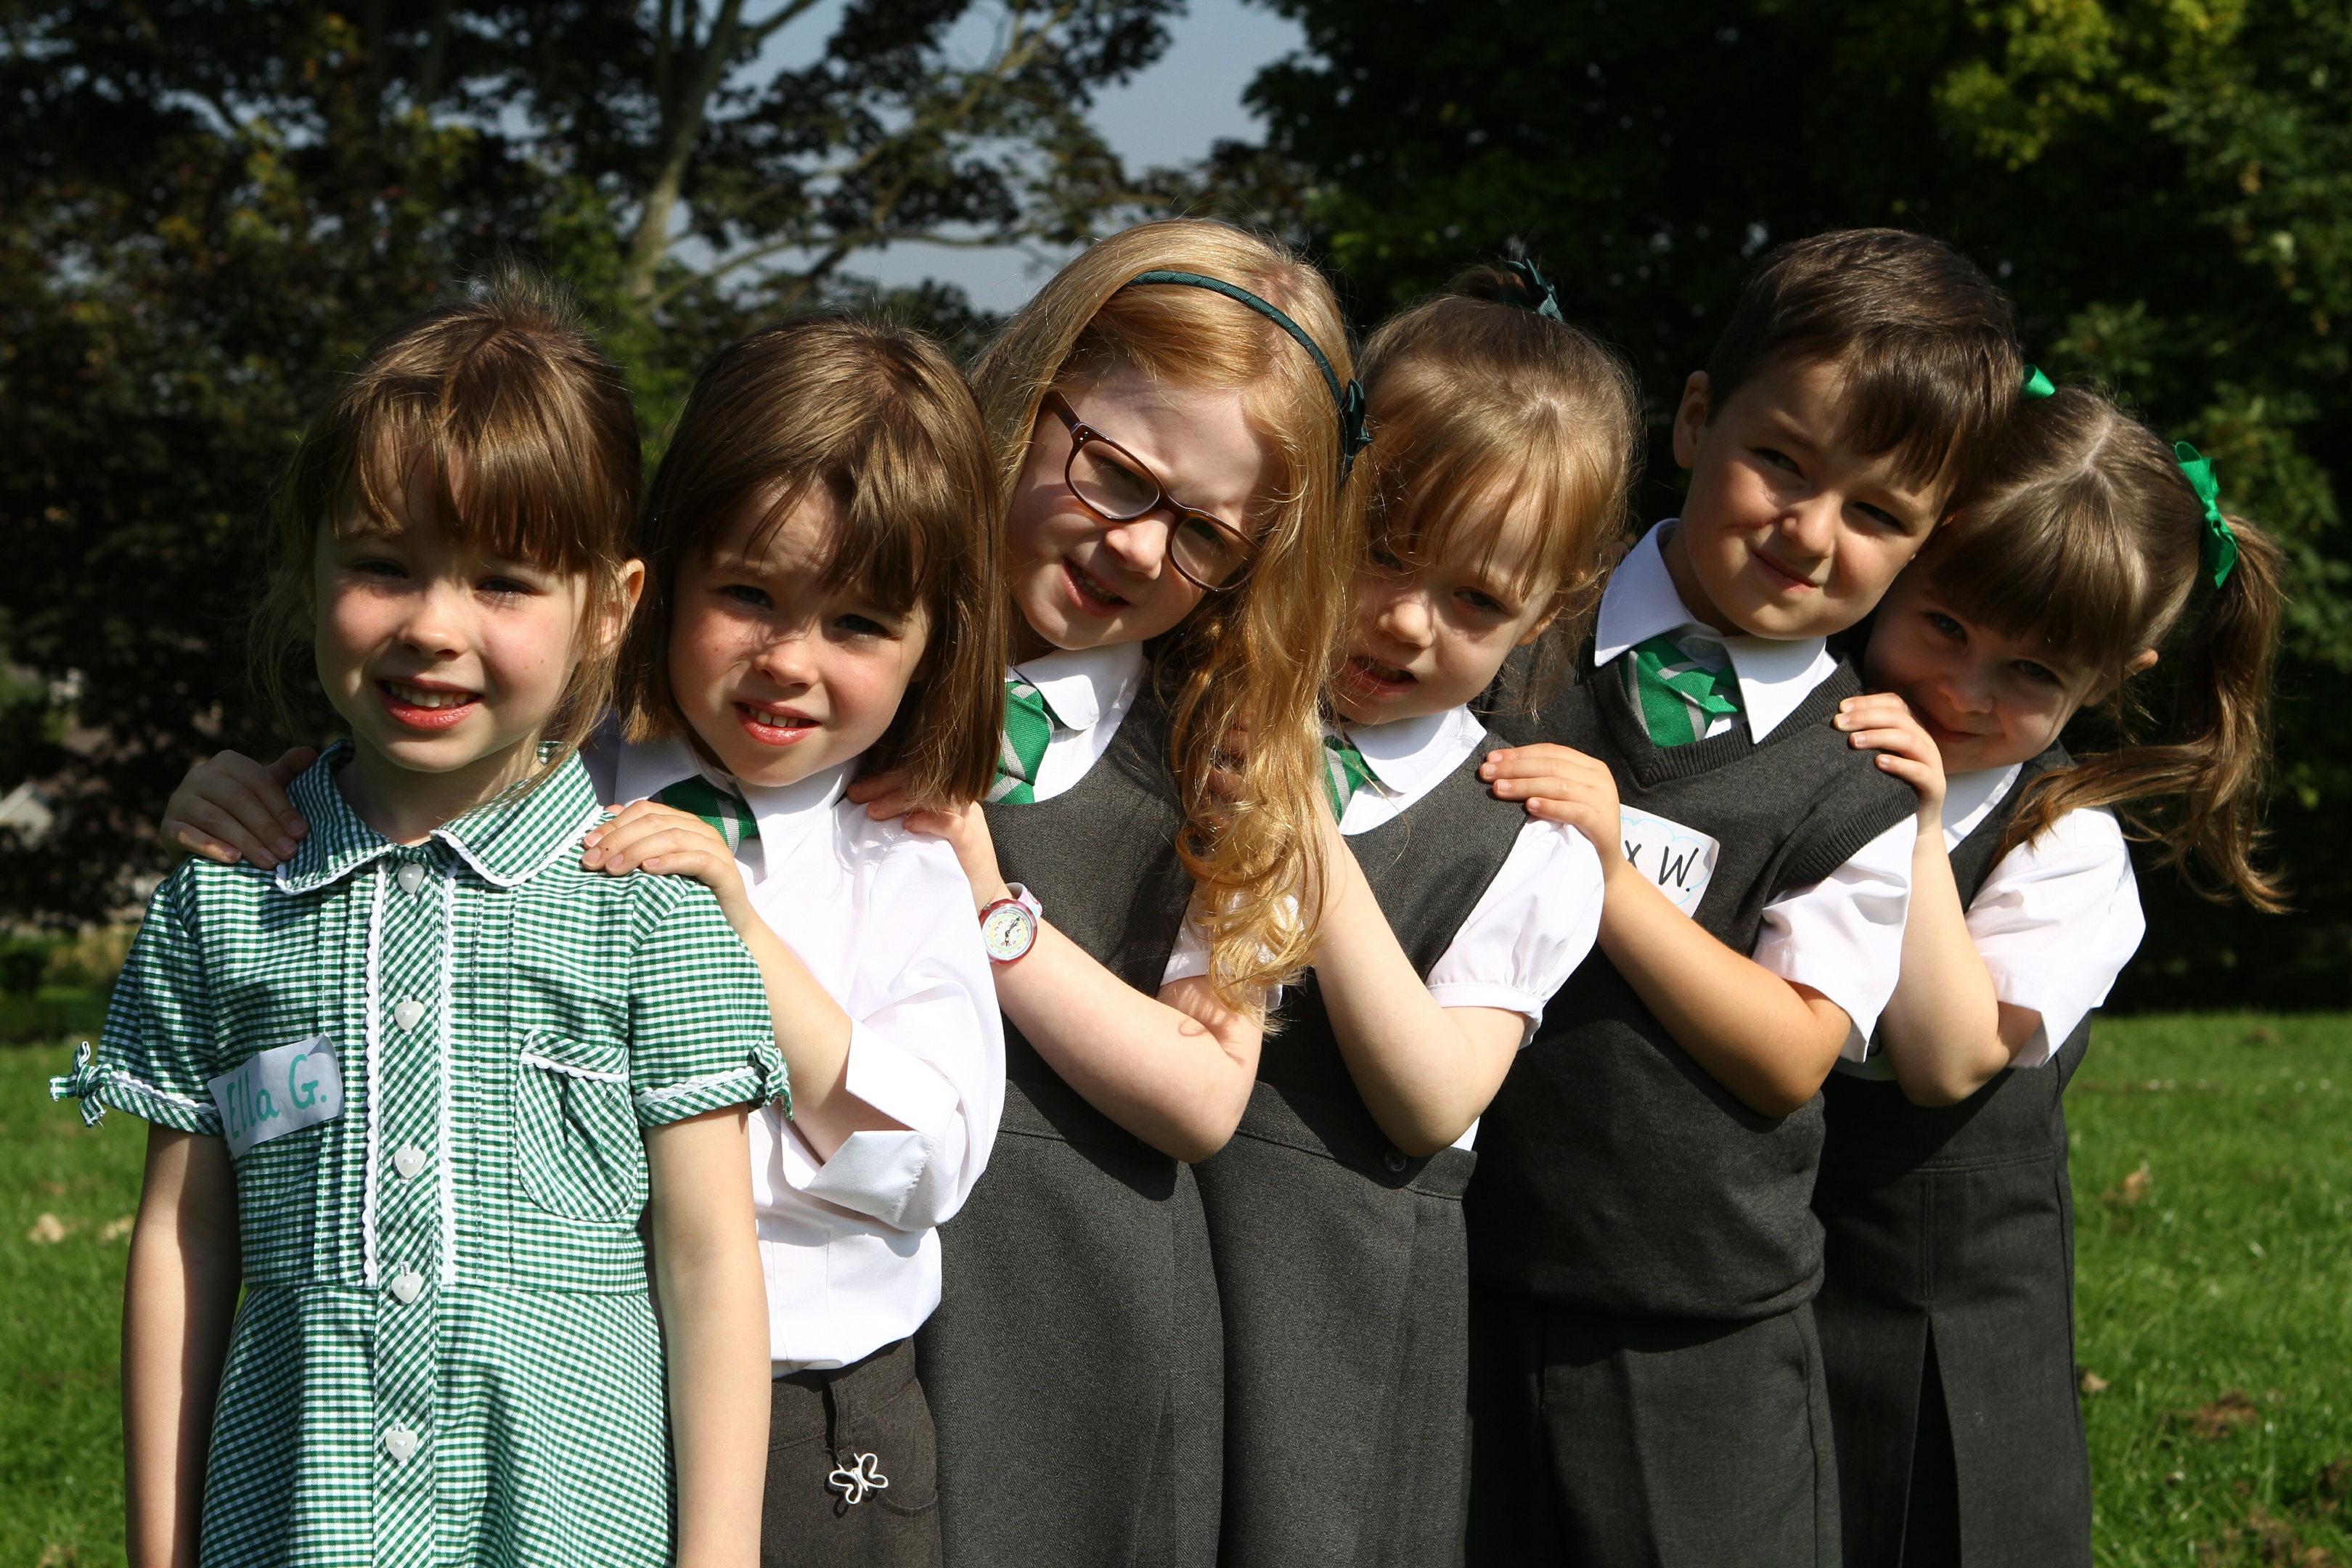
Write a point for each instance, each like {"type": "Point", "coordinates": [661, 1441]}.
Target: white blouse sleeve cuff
{"type": "Point", "coordinates": [1189, 957]}
{"type": "Point", "coordinates": [900, 1176]}
{"type": "Point", "coordinates": [1503, 998]}
{"type": "Point", "coordinates": [2058, 999]}
{"type": "Point", "coordinates": [1529, 930]}
{"type": "Point", "coordinates": [1843, 936]}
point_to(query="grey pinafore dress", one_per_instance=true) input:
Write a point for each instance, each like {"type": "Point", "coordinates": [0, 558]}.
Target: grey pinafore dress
{"type": "Point", "coordinates": [1074, 1366]}
{"type": "Point", "coordinates": [1947, 1314]}
{"type": "Point", "coordinates": [1342, 1265]}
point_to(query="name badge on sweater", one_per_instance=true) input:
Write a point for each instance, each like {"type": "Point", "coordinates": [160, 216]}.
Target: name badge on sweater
{"type": "Point", "coordinates": [278, 1091]}
{"type": "Point", "coordinates": [1680, 860]}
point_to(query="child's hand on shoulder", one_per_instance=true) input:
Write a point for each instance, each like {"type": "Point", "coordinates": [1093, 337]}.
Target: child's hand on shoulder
{"type": "Point", "coordinates": [1881, 721]}
{"type": "Point", "coordinates": [963, 825]}
{"type": "Point", "coordinates": [660, 839]}
{"type": "Point", "coordinates": [1560, 784]}
{"type": "Point", "coordinates": [230, 808]}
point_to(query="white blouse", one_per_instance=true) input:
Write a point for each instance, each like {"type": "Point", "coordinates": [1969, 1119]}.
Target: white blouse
{"type": "Point", "coordinates": [2057, 919]}
{"type": "Point", "coordinates": [1843, 935]}
{"type": "Point", "coordinates": [882, 917]}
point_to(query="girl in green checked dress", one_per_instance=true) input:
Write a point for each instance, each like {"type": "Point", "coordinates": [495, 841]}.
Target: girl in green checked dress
{"type": "Point", "coordinates": [411, 1093]}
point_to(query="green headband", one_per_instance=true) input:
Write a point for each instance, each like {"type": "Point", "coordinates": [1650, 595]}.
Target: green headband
{"type": "Point", "coordinates": [2037, 384]}
{"type": "Point", "coordinates": [1349, 398]}
{"type": "Point", "coordinates": [2220, 545]}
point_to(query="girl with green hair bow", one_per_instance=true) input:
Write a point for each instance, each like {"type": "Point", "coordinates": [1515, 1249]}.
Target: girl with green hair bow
{"type": "Point", "coordinates": [2095, 562]}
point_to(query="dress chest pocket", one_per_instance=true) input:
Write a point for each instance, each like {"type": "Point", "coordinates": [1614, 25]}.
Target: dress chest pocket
{"type": "Point", "coordinates": [577, 1149]}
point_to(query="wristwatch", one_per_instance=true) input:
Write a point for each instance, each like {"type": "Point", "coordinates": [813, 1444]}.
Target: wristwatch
{"type": "Point", "coordinates": [1008, 927]}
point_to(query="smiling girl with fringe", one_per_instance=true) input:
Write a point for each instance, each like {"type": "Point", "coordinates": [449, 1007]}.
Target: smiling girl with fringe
{"type": "Point", "coordinates": [822, 601]}
{"type": "Point", "coordinates": [1503, 442]}
{"type": "Point", "coordinates": [412, 1091]}
{"type": "Point", "coordinates": [2093, 563]}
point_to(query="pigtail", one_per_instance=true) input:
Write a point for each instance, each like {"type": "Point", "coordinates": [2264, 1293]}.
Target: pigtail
{"type": "Point", "coordinates": [2090, 535]}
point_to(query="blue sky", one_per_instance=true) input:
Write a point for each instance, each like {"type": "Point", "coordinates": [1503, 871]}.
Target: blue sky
{"type": "Point", "coordinates": [1168, 114]}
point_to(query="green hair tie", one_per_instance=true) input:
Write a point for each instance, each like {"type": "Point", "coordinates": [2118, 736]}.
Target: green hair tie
{"type": "Point", "coordinates": [1546, 296]}
{"type": "Point", "coordinates": [2220, 545]}
{"type": "Point", "coordinates": [2037, 384]}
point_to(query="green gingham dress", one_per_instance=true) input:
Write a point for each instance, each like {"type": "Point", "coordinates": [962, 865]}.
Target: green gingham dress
{"type": "Point", "coordinates": [444, 1353]}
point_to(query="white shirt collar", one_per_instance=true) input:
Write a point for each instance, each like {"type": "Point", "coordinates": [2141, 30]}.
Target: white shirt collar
{"type": "Point", "coordinates": [1969, 796]}
{"type": "Point", "coordinates": [785, 813]}
{"type": "Point", "coordinates": [1776, 675]}
{"type": "Point", "coordinates": [1407, 756]}
{"type": "Point", "coordinates": [1081, 685]}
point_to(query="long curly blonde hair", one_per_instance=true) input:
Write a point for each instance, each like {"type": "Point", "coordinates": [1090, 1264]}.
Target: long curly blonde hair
{"type": "Point", "coordinates": [1254, 658]}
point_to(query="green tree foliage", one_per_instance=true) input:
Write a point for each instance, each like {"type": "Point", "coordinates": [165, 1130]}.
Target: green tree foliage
{"type": "Point", "coordinates": [2165, 186]}
{"type": "Point", "coordinates": [209, 208]}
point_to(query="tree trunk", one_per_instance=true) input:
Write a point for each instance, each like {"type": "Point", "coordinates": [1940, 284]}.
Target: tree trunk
{"type": "Point", "coordinates": [682, 120]}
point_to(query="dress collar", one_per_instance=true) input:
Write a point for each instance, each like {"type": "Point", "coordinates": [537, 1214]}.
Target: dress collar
{"type": "Point", "coordinates": [1409, 755]}
{"type": "Point", "coordinates": [785, 813]}
{"type": "Point", "coordinates": [1776, 675]}
{"type": "Point", "coordinates": [1081, 685]}
{"type": "Point", "coordinates": [506, 842]}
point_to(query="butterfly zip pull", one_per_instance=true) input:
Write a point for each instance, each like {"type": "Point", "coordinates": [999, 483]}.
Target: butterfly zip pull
{"type": "Point", "coordinates": [861, 1475]}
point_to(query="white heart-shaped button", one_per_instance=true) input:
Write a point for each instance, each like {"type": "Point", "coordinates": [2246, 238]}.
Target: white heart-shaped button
{"type": "Point", "coordinates": [408, 1161]}
{"type": "Point", "coordinates": [406, 1286]}
{"type": "Point", "coordinates": [399, 1442]}
{"type": "Point", "coordinates": [411, 878]}
{"type": "Point", "coordinates": [406, 1014]}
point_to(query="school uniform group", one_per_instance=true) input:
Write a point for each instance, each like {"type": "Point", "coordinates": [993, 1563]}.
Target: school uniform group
{"type": "Point", "coordinates": [1292, 988]}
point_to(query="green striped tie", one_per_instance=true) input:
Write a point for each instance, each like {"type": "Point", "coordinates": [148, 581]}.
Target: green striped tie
{"type": "Point", "coordinates": [722, 809]}
{"type": "Point", "coordinates": [1028, 730]}
{"type": "Point", "coordinates": [1346, 772]}
{"type": "Point", "coordinates": [1680, 694]}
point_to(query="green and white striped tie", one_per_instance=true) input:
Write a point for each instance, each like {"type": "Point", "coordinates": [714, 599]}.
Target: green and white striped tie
{"type": "Point", "coordinates": [722, 809]}
{"type": "Point", "coordinates": [1028, 731]}
{"type": "Point", "coordinates": [1681, 694]}
{"type": "Point", "coordinates": [1345, 771]}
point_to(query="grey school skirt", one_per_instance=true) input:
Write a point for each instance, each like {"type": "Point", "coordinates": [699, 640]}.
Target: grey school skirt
{"type": "Point", "coordinates": [1075, 1363]}
{"type": "Point", "coordinates": [1343, 1268]}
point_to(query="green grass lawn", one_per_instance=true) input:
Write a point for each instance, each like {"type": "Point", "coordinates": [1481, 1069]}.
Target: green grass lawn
{"type": "Point", "coordinates": [2216, 1297]}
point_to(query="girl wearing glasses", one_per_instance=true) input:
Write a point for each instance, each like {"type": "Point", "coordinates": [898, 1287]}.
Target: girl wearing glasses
{"type": "Point", "coordinates": [1505, 440]}
{"type": "Point", "coordinates": [1169, 463]}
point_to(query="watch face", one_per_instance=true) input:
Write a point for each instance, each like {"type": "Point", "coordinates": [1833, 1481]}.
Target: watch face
{"type": "Point", "coordinates": [1007, 930]}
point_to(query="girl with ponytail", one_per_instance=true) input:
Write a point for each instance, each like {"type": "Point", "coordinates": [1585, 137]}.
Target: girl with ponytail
{"type": "Point", "coordinates": [2094, 567]}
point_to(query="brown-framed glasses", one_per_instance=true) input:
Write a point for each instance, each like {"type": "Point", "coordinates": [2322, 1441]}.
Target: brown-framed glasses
{"type": "Point", "coordinates": [1117, 486]}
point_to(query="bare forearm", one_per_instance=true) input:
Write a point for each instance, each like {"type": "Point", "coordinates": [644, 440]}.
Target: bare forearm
{"type": "Point", "coordinates": [715, 1323]}
{"type": "Point", "coordinates": [1161, 1073]}
{"type": "Point", "coordinates": [1423, 1074]}
{"type": "Point", "coordinates": [813, 1033]}
{"type": "Point", "coordinates": [1942, 1027]}
{"type": "Point", "coordinates": [179, 1302]}
{"type": "Point", "coordinates": [1767, 1041]}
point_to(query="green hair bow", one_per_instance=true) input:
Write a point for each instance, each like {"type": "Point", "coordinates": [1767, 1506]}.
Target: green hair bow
{"type": "Point", "coordinates": [1545, 297]}
{"type": "Point", "coordinates": [2220, 545]}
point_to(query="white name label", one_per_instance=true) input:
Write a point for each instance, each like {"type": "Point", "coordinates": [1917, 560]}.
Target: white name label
{"type": "Point", "coordinates": [280, 1091]}
{"type": "Point", "coordinates": [1680, 860]}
